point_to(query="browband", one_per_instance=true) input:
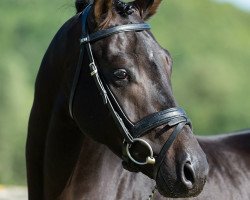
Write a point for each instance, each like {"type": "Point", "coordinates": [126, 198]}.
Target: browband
{"type": "Point", "coordinates": [117, 29]}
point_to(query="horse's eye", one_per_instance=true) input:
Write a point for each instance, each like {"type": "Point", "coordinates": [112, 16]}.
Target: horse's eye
{"type": "Point", "coordinates": [121, 74]}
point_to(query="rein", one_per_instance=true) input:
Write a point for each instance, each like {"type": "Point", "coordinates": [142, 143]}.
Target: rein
{"type": "Point", "coordinates": [173, 117]}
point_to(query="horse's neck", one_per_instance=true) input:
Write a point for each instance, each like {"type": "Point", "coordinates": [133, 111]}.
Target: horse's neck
{"type": "Point", "coordinates": [100, 175]}
{"type": "Point", "coordinates": [229, 161]}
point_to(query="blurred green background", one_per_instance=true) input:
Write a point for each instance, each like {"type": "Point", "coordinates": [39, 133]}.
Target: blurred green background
{"type": "Point", "coordinates": [209, 42]}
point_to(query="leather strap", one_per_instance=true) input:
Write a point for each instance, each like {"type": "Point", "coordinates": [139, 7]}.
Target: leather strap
{"type": "Point", "coordinates": [172, 117]}
{"type": "Point", "coordinates": [161, 156]}
{"type": "Point", "coordinates": [84, 15]}
{"type": "Point", "coordinates": [106, 100]}
{"type": "Point", "coordinates": [111, 31]}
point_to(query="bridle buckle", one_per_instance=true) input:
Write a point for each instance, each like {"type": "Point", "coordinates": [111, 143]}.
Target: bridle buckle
{"type": "Point", "coordinates": [93, 69]}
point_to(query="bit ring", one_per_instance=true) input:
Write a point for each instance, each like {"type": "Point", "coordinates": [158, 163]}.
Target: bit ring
{"type": "Point", "coordinates": [149, 160]}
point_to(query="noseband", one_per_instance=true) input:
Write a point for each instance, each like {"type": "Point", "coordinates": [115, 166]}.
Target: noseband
{"type": "Point", "coordinates": [173, 117]}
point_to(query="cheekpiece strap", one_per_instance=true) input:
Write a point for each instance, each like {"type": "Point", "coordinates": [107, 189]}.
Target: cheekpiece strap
{"type": "Point", "coordinates": [119, 117]}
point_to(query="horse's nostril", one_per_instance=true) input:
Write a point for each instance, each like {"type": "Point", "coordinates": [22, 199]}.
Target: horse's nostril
{"type": "Point", "coordinates": [188, 177]}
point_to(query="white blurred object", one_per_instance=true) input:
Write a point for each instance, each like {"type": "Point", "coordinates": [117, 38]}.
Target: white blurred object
{"type": "Point", "coordinates": [13, 193]}
{"type": "Point", "coordinates": [242, 4]}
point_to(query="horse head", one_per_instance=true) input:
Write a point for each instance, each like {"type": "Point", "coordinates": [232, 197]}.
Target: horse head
{"type": "Point", "coordinates": [134, 72]}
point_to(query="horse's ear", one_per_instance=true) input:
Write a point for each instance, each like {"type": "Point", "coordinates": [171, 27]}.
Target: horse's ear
{"type": "Point", "coordinates": [146, 8]}
{"type": "Point", "coordinates": [103, 12]}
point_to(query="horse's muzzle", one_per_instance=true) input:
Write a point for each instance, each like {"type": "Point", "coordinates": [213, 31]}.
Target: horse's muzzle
{"type": "Point", "coordinates": [183, 178]}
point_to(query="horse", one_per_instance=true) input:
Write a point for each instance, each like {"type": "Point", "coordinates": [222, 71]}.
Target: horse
{"type": "Point", "coordinates": [104, 123]}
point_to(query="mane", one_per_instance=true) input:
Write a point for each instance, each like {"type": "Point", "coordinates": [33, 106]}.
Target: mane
{"type": "Point", "coordinates": [124, 9]}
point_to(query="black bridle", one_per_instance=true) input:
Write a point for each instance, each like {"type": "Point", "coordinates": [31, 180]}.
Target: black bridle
{"type": "Point", "coordinates": [173, 117]}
